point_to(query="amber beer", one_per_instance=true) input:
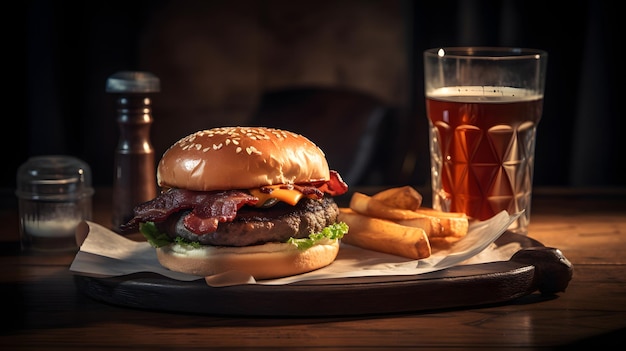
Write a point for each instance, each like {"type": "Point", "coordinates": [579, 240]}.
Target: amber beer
{"type": "Point", "coordinates": [482, 149]}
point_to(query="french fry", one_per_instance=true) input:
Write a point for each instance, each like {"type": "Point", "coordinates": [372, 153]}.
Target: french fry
{"type": "Point", "coordinates": [437, 225]}
{"type": "Point", "coordinates": [359, 202]}
{"type": "Point", "coordinates": [443, 242]}
{"type": "Point", "coordinates": [366, 205]}
{"type": "Point", "coordinates": [405, 197]}
{"type": "Point", "coordinates": [441, 214]}
{"type": "Point", "coordinates": [384, 236]}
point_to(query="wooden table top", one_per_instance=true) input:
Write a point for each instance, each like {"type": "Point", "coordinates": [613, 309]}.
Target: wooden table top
{"type": "Point", "coordinates": [47, 311]}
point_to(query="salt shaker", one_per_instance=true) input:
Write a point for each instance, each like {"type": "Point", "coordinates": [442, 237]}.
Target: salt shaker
{"type": "Point", "coordinates": [134, 180]}
{"type": "Point", "coordinates": [54, 195]}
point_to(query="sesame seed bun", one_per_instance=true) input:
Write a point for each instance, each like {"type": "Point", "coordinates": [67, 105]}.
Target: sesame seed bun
{"type": "Point", "coordinates": [241, 158]}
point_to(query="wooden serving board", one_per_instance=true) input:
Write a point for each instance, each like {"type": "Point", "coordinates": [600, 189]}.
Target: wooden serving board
{"type": "Point", "coordinates": [534, 268]}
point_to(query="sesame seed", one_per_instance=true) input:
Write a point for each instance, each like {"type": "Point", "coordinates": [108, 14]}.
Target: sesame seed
{"type": "Point", "coordinates": [251, 149]}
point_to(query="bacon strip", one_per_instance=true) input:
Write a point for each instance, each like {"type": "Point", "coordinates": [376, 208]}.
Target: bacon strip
{"type": "Point", "coordinates": [335, 186]}
{"type": "Point", "coordinates": [208, 208]}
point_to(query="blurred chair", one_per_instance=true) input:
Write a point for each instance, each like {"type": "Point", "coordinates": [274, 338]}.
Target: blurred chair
{"type": "Point", "coordinates": [354, 129]}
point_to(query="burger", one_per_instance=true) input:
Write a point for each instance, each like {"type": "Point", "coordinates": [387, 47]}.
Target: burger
{"type": "Point", "coordinates": [251, 199]}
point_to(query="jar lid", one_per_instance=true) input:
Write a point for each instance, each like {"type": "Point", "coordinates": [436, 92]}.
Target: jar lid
{"type": "Point", "coordinates": [54, 178]}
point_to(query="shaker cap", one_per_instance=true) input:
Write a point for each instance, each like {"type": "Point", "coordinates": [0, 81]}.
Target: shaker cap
{"type": "Point", "coordinates": [133, 82]}
{"type": "Point", "coordinates": [54, 178]}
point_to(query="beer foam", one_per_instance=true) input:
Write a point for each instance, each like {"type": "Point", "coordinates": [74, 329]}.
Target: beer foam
{"type": "Point", "coordinates": [493, 94]}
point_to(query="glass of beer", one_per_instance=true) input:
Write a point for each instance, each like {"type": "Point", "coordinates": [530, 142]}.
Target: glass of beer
{"type": "Point", "coordinates": [483, 106]}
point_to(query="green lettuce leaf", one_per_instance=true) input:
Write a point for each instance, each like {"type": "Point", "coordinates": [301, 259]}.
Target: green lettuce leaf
{"type": "Point", "coordinates": [332, 232]}
{"type": "Point", "coordinates": [153, 235]}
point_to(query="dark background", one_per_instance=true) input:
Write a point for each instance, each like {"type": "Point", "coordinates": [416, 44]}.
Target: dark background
{"type": "Point", "coordinates": [215, 59]}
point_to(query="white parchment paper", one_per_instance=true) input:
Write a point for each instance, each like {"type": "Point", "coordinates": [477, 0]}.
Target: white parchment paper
{"type": "Point", "coordinates": [105, 253]}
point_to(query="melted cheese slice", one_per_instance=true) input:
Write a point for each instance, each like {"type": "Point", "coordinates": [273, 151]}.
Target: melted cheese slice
{"type": "Point", "coordinates": [289, 196]}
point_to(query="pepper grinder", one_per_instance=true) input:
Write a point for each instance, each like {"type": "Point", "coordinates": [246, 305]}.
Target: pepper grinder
{"type": "Point", "coordinates": [134, 179]}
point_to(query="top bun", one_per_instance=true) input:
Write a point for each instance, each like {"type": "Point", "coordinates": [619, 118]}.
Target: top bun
{"type": "Point", "coordinates": [241, 158]}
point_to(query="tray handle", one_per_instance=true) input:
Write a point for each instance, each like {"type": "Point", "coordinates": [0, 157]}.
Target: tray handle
{"type": "Point", "coordinates": [553, 271]}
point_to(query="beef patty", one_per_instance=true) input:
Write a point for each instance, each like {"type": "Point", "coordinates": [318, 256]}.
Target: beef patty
{"type": "Point", "coordinates": [254, 226]}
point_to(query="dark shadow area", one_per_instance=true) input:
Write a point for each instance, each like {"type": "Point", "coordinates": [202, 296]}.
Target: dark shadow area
{"type": "Point", "coordinates": [219, 61]}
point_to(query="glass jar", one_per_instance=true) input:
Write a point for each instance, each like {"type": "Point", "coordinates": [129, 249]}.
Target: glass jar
{"type": "Point", "coordinates": [54, 195]}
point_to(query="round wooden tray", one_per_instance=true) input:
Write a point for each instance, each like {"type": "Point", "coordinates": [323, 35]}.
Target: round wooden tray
{"type": "Point", "coordinates": [534, 268]}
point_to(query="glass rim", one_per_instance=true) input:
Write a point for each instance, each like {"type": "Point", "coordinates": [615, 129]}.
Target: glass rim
{"type": "Point", "coordinates": [485, 52]}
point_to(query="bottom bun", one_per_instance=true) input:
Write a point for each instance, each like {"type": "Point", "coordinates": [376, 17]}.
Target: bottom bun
{"type": "Point", "coordinates": [267, 261]}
